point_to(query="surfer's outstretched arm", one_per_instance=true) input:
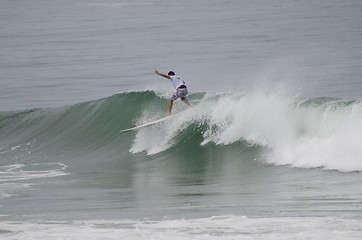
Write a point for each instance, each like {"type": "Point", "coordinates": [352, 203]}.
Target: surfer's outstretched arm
{"type": "Point", "coordinates": [162, 75]}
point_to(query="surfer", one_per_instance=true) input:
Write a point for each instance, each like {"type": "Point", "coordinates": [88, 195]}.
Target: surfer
{"type": "Point", "coordinates": [179, 85]}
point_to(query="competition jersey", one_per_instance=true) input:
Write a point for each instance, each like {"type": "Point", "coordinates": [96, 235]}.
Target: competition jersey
{"type": "Point", "coordinates": [176, 81]}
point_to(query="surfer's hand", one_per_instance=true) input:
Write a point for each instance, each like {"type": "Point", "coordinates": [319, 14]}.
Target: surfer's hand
{"type": "Point", "coordinates": [157, 72]}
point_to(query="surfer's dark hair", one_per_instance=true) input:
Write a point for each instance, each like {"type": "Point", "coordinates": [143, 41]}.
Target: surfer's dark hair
{"type": "Point", "coordinates": [171, 73]}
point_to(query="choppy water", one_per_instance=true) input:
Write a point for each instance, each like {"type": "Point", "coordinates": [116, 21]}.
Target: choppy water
{"type": "Point", "coordinates": [269, 150]}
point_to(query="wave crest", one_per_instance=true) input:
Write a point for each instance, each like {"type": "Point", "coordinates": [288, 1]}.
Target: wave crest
{"type": "Point", "coordinates": [309, 133]}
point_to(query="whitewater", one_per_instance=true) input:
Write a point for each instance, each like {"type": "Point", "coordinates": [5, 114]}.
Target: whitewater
{"type": "Point", "coordinates": [298, 132]}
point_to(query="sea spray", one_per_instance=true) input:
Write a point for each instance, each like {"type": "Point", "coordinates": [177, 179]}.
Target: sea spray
{"type": "Point", "coordinates": [328, 136]}
{"type": "Point", "coordinates": [308, 133]}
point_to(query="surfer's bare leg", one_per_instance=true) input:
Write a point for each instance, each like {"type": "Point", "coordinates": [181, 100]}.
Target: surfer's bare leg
{"type": "Point", "coordinates": [170, 107]}
{"type": "Point", "coordinates": [187, 102]}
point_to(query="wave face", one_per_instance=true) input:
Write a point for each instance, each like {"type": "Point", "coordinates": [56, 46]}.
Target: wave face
{"type": "Point", "coordinates": [306, 133]}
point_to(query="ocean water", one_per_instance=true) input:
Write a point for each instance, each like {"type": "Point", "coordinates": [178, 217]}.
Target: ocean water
{"type": "Point", "coordinates": [271, 148]}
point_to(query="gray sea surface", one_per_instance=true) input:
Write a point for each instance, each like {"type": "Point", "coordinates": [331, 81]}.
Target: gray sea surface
{"type": "Point", "coordinates": [55, 53]}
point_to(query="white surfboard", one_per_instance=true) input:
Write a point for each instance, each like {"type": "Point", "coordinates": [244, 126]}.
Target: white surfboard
{"type": "Point", "coordinates": [149, 124]}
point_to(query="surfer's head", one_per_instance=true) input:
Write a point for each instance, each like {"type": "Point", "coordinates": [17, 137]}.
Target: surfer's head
{"type": "Point", "coordinates": [171, 73]}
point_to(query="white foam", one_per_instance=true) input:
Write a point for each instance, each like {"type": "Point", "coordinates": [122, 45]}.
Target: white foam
{"type": "Point", "coordinates": [300, 135]}
{"type": "Point", "coordinates": [12, 177]}
{"type": "Point", "coordinates": [218, 227]}
{"type": "Point", "coordinates": [157, 138]}
{"type": "Point", "coordinates": [326, 136]}
{"type": "Point", "coordinates": [18, 172]}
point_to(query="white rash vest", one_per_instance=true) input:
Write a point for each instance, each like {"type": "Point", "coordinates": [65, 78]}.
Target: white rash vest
{"type": "Point", "coordinates": [176, 81]}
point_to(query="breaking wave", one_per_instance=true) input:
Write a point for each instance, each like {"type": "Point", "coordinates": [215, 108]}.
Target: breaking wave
{"type": "Point", "coordinates": [307, 133]}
